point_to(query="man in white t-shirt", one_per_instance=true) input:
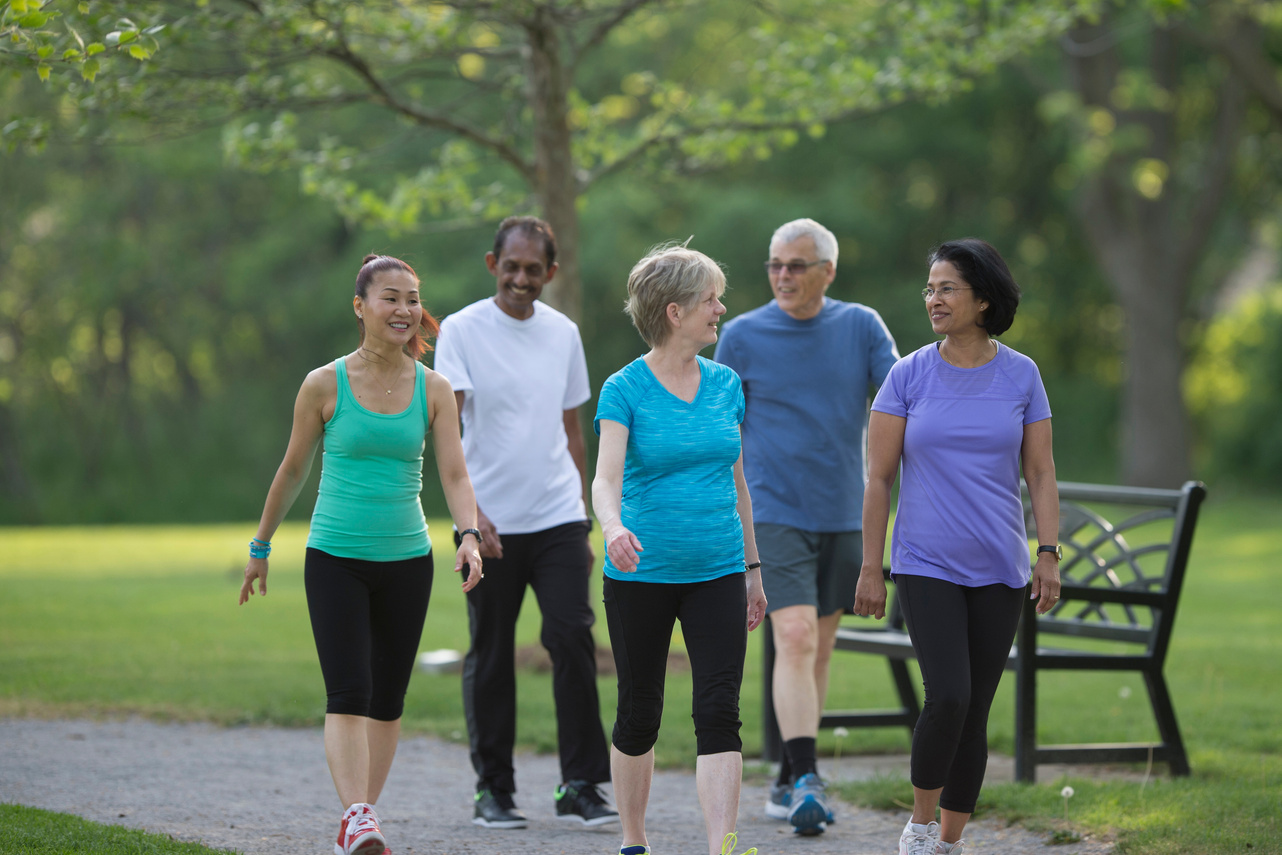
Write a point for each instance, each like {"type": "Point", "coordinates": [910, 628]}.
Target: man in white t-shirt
{"type": "Point", "coordinates": [518, 372]}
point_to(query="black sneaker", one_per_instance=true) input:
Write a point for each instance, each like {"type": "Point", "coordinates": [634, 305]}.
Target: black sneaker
{"type": "Point", "coordinates": [582, 801]}
{"type": "Point", "coordinates": [495, 809]}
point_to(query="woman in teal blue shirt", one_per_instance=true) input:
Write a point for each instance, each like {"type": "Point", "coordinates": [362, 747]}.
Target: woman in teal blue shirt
{"type": "Point", "coordinates": [368, 571]}
{"type": "Point", "coordinates": [677, 521]}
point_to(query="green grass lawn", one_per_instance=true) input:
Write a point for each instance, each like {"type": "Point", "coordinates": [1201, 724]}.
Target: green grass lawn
{"type": "Point", "coordinates": [143, 620]}
{"type": "Point", "coordinates": [59, 834]}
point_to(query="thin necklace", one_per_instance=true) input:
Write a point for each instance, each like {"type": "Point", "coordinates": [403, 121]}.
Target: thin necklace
{"type": "Point", "coordinates": [399, 372]}
{"type": "Point", "coordinates": [955, 365]}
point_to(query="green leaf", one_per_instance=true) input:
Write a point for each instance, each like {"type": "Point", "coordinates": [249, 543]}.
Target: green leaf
{"type": "Point", "coordinates": [19, 7]}
{"type": "Point", "coordinates": [139, 52]}
{"type": "Point", "coordinates": [90, 69]}
{"type": "Point", "coordinates": [44, 51]}
{"type": "Point", "coordinates": [42, 71]}
{"type": "Point", "coordinates": [94, 47]}
{"type": "Point", "coordinates": [33, 20]}
{"type": "Point", "coordinates": [83, 8]}
{"type": "Point", "coordinates": [71, 53]}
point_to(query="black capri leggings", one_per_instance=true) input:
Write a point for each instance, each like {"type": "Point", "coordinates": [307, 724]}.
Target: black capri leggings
{"type": "Point", "coordinates": [367, 618]}
{"type": "Point", "coordinates": [962, 637]}
{"type": "Point", "coordinates": [714, 623]}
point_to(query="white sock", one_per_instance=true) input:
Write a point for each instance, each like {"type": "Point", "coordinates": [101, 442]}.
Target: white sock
{"type": "Point", "coordinates": [918, 827]}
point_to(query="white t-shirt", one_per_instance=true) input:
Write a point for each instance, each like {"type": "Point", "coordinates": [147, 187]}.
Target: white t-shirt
{"type": "Point", "coordinates": [519, 377]}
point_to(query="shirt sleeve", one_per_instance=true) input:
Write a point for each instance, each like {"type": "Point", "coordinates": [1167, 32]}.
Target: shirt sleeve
{"type": "Point", "coordinates": [450, 360]}
{"type": "Point", "coordinates": [1038, 407]}
{"type": "Point", "coordinates": [612, 404]}
{"type": "Point", "coordinates": [882, 353]}
{"type": "Point", "coordinates": [577, 389]}
{"type": "Point", "coordinates": [892, 397]}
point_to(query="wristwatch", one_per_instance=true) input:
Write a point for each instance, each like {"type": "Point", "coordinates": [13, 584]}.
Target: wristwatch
{"type": "Point", "coordinates": [1057, 550]}
{"type": "Point", "coordinates": [473, 532]}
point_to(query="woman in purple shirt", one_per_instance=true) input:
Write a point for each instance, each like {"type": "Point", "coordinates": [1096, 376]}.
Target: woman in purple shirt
{"type": "Point", "coordinates": [962, 416]}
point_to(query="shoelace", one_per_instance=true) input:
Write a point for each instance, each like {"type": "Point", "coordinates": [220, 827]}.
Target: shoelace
{"type": "Point", "coordinates": [728, 843]}
{"type": "Point", "coordinates": [921, 844]}
{"type": "Point", "coordinates": [361, 822]}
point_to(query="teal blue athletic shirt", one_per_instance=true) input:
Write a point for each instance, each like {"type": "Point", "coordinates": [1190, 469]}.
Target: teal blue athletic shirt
{"type": "Point", "coordinates": [679, 497]}
{"type": "Point", "coordinates": [371, 477]}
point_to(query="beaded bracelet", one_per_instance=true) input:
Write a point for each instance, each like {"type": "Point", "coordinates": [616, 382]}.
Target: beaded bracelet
{"type": "Point", "coordinates": [259, 548]}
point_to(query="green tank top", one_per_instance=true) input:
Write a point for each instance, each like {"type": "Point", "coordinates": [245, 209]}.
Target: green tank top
{"type": "Point", "coordinates": [371, 476]}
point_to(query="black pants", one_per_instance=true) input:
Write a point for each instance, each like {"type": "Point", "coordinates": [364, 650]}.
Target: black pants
{"type": "Point", "coordinates": [714, 623]}
{"type": "Point", "coordinates": [367, 619]}
{"type": "Point", "coordinates": [555, 564]}
{"type": "Point", "coordinates": [962, 637]}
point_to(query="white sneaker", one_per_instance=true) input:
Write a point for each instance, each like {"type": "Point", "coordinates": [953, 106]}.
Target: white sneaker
{"type": "Point", "coordinates": [958, 848]}
{"type": "Point", "coordinates": [919, 839]}
{"type": "Point", "coordinates": [359, 833]}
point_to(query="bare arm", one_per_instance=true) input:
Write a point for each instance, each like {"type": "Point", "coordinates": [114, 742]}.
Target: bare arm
{"type": "Point", "coordinates": [314, 403]}
{"type": "Point", "coordinates": [885, 448]}
{"type": "Point", "coordinates": [607, 497]}
{"type": "Point", "coordinates": [1039, 473]}
{"type": "Point", "coordinates": [752, 578]}
{"type": "Point", "coordinates": [579, 453]}
{"type": "Point", "coordinates": [491, 543]}
{"type": "Point", "coordinates": [455, 483]}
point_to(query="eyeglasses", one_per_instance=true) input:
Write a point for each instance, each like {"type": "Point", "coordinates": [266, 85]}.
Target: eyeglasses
{"type": "Point", "coordinates": [796, 268]}
{"type": "Point", "coordinates": [945, 292]}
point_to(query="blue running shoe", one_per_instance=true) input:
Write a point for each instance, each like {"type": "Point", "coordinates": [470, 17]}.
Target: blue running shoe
{"type": "Point", "coordinates": [809, 813]}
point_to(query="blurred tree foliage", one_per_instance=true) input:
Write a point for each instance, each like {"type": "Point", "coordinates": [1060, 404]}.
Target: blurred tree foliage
{"type": "Point", "coordinates": [158, 312]}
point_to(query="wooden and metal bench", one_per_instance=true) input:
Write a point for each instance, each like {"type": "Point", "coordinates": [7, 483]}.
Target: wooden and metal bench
{"type": "Point", "coordinates": [1126, 550]}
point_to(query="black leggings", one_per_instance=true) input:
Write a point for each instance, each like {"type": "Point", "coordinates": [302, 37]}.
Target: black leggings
{"type": "Point", "coordinates": [962, 637]}
{"type": "Point", "coordinates": [367, 619]}
{"type": "Point", "coordinates": [714, 623]}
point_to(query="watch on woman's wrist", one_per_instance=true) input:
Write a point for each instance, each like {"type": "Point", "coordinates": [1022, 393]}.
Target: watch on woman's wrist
{"type": "Point", "coordinates": [474, 532]}
{"type": "Point", "coordinates": [1056, 550]}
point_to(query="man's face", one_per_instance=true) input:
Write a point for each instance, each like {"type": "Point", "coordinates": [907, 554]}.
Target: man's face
{"type": "Point", "coordinates": [520, 271]}
{"type": "Point", "coordinates": [800, 294]}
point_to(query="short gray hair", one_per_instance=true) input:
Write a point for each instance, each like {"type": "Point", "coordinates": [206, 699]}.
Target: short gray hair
{"type": "Point", "coordinates": [669, 273]}
{"type": "Point", "coordinates": [825, 241]}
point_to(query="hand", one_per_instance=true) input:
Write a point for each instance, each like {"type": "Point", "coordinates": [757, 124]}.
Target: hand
{"type": "Point", "coordinates": [491, 543]}
{"type": "Point", "coordinates": [1045, 588]}
{"type": "Point", "coordinates": [756, 599]}
{"type": "Point", "coordinates": [469, 556]}
{"type": "Point", "coordinates": [870, 593]}
{"type": "Point", "coordinates": [255, 569]}
{"type": "Point", "coordinates": [622, 546]}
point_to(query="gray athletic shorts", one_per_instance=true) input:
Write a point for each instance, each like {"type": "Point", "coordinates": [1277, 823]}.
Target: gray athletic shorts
{"type": "Point", "coordinates": [808, 568]}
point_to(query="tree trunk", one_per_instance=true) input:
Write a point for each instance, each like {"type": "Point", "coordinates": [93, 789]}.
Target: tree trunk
{"type": "Point", "coordinates": [1149, 248]}
{"type": "Point", "coordinates": [556, 186]}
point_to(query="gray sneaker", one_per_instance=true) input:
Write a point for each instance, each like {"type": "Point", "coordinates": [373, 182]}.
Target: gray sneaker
{"type": "Point", "coordinates": [779, 800]}
{"type": "Point", "coordinates": [808, 811]}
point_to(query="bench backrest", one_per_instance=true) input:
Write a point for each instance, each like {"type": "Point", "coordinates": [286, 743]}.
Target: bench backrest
{"type": "Point", "coordinates": [1125, 553]}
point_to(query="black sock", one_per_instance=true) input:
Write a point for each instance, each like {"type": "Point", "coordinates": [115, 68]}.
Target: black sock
{"type": "Point", "coordinates": [800, 754]}
{"type": "Point", "coordinates": [785, 770]}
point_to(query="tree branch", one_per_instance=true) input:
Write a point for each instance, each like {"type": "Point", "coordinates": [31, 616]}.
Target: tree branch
{"type": "Point", "coordinates": [345, 56]}
{"type": "Point", "coordinates": [1216, 174]}
{"type": "Point", "coordinates": [619, 14]}
{"type": "Point", "coordinates": [1242, 50]}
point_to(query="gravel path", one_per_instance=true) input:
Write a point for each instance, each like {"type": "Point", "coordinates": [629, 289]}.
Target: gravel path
{"type": "Point", "coordinates": [267, 790]}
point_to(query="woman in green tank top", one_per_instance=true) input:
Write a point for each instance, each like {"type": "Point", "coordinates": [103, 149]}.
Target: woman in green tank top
{"type": "Point", "coordinates": [368, 569]}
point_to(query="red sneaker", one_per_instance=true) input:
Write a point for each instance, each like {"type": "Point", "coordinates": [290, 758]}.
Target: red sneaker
{"type": "Point", "coordinates": [359, 833]}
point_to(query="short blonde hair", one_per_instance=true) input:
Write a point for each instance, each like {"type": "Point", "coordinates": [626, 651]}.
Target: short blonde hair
{"type": "Point", "coordinates": [669, 273]}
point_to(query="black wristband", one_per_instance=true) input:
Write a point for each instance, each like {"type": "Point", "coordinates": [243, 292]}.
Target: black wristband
{"type": "Point", "coordinates": [472, 532]}
{"type": "Point", "coordinates": [753, 566]}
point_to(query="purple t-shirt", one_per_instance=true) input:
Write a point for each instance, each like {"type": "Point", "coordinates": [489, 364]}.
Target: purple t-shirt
{"type": "Point", "coordinates": [960, 514]}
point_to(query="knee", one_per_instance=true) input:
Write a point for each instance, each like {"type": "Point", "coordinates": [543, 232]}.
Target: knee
{"type": "Point", "coordinates": [796, 636]}
{"type": "Point", "coordinates": [950, 707]}
{"type": "Point", "coordinates": [636, 729]}
{"type": "Point", "coordinates": [716, 727]}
